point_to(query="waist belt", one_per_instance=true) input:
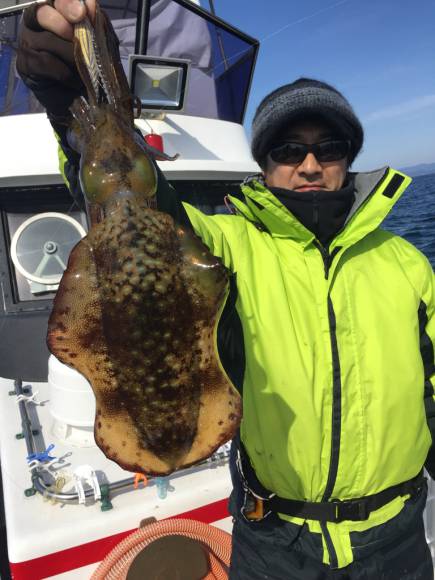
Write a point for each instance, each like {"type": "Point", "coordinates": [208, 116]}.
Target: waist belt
{"type": "Point", "coordinates": [259, 501]}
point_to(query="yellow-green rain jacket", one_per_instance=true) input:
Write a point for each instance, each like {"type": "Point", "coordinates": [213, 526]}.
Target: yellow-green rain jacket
{"type": "Point", "coordinates": [339, 350]}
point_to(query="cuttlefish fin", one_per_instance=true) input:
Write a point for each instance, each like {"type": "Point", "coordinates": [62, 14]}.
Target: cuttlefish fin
{"type": "Point", "coordinates": [220, 408]}
{"type": "Point", "coordinates": [75, 324]}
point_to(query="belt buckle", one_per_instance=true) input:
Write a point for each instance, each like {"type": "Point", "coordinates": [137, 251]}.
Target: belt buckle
{"type": "Point", "coordinates": [356, 511]}
{"type": "Point", "coordinates": [253, 510]}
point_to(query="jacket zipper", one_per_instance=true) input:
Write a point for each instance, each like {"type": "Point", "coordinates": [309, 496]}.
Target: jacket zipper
{"type": "Point", "coordinates": [336, 405]}
{"type": "Point", "coordinates": [336, 374]}
{"type": "Point", "coordinates": [336, 392]}
{"type": "Point", "coordinates": [326, 256]}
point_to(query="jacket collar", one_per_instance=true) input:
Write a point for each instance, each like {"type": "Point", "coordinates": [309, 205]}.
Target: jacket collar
{"type": "Point", "coordinates": [376, 193]}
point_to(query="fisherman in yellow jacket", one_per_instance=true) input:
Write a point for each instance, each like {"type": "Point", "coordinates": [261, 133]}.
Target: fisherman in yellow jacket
{"type": "Point", "coordinates": [328, 332]}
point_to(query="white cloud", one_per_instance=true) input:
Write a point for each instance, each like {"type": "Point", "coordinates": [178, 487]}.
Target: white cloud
{"type": "Point", "coordinates": [411, 106]}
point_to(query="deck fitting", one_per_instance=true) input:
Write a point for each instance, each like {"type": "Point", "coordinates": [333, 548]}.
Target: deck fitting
{"type": "Point", "coordinates": [106, 504]}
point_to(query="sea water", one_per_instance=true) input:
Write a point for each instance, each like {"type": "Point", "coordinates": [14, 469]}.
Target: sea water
{"type": "Point", "coordinates": [413, 216]}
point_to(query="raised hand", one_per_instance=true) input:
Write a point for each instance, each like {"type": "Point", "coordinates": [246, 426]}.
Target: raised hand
{"type": "Point", "coordinates": [45, 59]}
{"type": "Point", "coordinates": [60, 16]}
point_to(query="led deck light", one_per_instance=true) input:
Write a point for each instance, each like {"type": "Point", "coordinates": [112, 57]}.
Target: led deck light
{"type": "Point", "coordinates": [160, 84]}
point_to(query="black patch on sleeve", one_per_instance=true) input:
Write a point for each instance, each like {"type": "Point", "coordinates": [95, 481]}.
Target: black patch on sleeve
{"type": "Point", "coordinates": [71, 167]}
{"type": "Point", "coordinates": [427, 355]}
{"type": "Point", "coordinates": [393, 186]}
{"type": "Point", "coordinates": [257, 205]}
{"type": "Point", "coordinates": [168, 200]}
{"type": "Point", "coordinates": [230, 342]}
{"type": "Point", "coordinates": [426, 346]}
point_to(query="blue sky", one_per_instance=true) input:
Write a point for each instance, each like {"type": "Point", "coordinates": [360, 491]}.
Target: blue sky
{"type": "Point", "coordinates": [379, 53]}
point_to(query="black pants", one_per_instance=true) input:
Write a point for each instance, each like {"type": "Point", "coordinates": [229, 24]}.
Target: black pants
{"type": "Point", "coordinates": [272, 553]}
{"type": "Point", "coordinates": [274, 549]}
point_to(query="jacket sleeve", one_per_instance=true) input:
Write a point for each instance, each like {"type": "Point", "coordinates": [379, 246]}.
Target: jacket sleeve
{"type": "Point", "coordinates": [218, 234]}
{"type": "Point", "coordinates": [426, 315]}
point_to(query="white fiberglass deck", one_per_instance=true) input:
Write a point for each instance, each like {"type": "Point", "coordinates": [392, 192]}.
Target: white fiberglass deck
{"type": "Point", "coordinates": [39, 529]}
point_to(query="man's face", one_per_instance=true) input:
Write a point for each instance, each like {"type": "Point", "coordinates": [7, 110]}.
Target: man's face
{"type": "Point", "coordinates": [309, 174]}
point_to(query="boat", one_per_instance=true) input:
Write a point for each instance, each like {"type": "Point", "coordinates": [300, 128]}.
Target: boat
{"type": "Point", "coordinates": [65, 504]}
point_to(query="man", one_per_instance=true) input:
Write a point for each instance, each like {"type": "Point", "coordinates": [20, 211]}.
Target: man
{"type": "Point", "coordinates": [329, 333]}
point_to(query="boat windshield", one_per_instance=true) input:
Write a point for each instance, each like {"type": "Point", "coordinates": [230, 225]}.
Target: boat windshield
{"type": "Point", "coordinates": [222, 58]}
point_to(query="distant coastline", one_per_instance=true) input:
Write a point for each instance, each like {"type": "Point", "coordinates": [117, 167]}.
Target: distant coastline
{"type": "Point", "coordinates": [420, 169]}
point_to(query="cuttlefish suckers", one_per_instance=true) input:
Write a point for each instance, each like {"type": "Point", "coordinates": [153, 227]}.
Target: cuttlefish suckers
{"type": "Point", "coordinates": [113, 161]}
{"type": "Point", "coordinates": [138, 306]}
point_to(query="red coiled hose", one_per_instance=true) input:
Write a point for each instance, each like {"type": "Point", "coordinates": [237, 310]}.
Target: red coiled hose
{"type": "Point", "coordinates": [116, 564]}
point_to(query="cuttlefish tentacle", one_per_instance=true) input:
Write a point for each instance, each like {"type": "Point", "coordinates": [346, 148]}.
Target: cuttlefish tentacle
{"type": "Point", "coordinates": [161, 155]}
{"type": "Point", "coordinates": [138, 306]}
{"type": "Point", "coordinates": [86, 59]}
{"type": "Point", "coordinates": [110, 67]}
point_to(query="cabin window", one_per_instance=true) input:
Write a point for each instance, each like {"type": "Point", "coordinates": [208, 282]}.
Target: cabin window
{"type": "Point", "coordinates": [222, 58]}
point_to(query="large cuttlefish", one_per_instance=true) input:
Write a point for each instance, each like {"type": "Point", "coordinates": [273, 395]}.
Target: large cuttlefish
{"type": "Point", "coordinates": [138, 305]}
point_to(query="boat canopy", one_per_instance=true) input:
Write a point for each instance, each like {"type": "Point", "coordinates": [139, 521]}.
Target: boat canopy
{"type": "Point", "coordinates": [222, 58]}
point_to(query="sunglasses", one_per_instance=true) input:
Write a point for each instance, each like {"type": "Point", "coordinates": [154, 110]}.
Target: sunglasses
{"type": "Point", "coordinates": [293, 152]}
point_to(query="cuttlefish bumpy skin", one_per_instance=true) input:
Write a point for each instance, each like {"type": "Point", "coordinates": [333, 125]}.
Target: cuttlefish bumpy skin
{"type": "Point", "coordinates": [136, 314]}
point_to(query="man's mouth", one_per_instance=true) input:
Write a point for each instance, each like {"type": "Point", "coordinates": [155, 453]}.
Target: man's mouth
{"type": "Point", "coordinates": [309, 188]}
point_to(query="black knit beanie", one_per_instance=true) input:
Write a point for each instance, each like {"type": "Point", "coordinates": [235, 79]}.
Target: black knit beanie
{"type": "Point", "coordinates": [303, 99]}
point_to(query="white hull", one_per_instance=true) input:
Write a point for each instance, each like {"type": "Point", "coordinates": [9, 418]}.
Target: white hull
{"type": "Point", "coordinates": [48, 539]}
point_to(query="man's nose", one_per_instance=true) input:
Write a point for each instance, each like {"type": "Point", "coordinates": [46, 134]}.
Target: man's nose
{"type": "Point", "coordinates": [310, 165]}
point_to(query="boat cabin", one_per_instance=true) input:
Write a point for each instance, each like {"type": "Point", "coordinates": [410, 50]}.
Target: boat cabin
{"type": "Point", "coordinates": [65, 504]}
